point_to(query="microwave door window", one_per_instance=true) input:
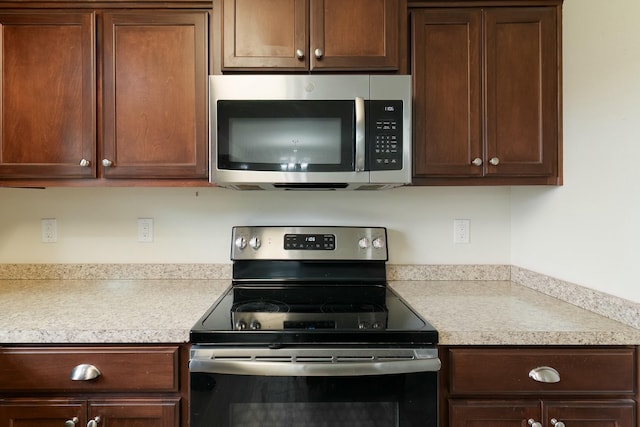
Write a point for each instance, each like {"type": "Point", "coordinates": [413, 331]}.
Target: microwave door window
{"type": "Point", "coordinates": [286, 136]}
{"type": "Point", "coordinates": [286, 144]}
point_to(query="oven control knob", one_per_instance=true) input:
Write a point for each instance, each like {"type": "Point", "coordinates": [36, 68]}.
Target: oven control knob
{"type": "Point", "coordinates": [363, 243]}
{"type": "Point", "coordinates": [255, 242]}
{"type": "Point", "coordinates": [363, 325]}
{"type": "Point", "coordinates": [241, 243]}
{"type": "Point", "coordinates": [254, 325]}
{"type": "Point", "coordinates": [378, 243]}
{"type": "Point", "coordinates": [376, 325]}
{"type": "Point", "coordinates": [241, 325]}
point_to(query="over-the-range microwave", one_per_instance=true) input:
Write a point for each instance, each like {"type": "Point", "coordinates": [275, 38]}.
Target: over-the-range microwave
{"type": "Point", "coordinates": [310, 132]}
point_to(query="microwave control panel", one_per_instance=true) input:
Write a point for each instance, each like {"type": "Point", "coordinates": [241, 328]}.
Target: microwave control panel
{"type": "Point", "coordinates": [385, 135]}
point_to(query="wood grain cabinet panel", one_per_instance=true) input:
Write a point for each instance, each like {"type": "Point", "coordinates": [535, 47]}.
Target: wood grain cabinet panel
{"type": "Point", "coordinates": [155, 95]}
{"type": "Point", "coordinates": [487, 95]}
{"type": "Point", "coordinates": [137, 386]}
{"type": "Point", "coordinates": [47, 94]}
{"type": "Point", "coordinates": [317, 35]}
{"type": "Point", "coordinates": [491, 386]}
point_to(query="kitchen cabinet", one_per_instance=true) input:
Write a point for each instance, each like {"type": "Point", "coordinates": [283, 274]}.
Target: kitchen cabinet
{"type": "Point", "coordinates": [105, 94]}
{"type": "Point", "coordinates": [487, 94]}
{"type": "Point", "coordinates": [127, 386]}
{"type": "Point", "coordinates": [489, 386]}
{"type": "Point", "coordinates": [316, 35]}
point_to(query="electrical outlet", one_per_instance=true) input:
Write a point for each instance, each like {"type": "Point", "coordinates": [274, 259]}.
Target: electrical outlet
{"type": "Point", "coordinates": [49, 228]}
{"type": "Point", "coordinates": [461, 230]}
{"type": "Point", "coordinates": [145, 230]}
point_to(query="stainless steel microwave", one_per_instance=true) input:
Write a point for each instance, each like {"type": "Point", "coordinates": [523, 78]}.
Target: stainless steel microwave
{"type": "Point", "coordinates": [310, 132]}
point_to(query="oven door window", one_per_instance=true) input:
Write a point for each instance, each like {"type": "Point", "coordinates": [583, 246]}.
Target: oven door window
{"type": "Point", "coordinates": [407, 400]}
{"type": "Point", "coordinates": [286, 136]}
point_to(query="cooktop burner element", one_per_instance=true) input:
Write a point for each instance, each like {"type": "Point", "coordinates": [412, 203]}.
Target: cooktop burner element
{"type": "Point", "coordinates": [311, 285]}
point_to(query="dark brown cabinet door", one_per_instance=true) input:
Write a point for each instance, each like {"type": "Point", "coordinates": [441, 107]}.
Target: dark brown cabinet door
{"type": "Point", "coordinates": [265, 34]}
{"type": "Point", "coordinates": [521, 92]}
{"type": "Point", "coordinates": [591, 413]}
{"type": "Point", "coordinates": [478, 413]}
{"type": "Point", "coordinates": [447, 92]}
{"type": "Point", "coordinates": [47, 95]}
{"type": "Point", "coordinates": [135, 412]}
{"type": "Point", "coordinates": [155, 104]}
{"type": "Point", "coordinates": [486, 93]}
{"type": "Point", "coordinates": [354, 34]}
{"type": "Point", "coordinates": [298, 35]}
{"type": "Point", "coordinates": [43, 413]}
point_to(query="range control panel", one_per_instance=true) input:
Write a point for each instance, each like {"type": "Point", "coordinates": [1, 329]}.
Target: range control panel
{"type": "Point", "coordinates": [309, 243]}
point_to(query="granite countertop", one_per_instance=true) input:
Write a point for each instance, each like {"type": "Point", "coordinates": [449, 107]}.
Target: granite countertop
{"type": "Point", "coordinates": [163, 311]}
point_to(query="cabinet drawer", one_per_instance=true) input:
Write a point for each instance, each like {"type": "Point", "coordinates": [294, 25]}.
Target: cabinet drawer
{"type": "Point", "coordinates": [581, 371]}
{"type": "Point", "coordinates": [121, 368]}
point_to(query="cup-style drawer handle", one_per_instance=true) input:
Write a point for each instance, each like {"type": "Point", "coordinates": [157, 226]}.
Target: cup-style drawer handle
{"type": "Point", "coordinates": [544, 374]}
{"type": "Point", "coordinates": [85, 372]}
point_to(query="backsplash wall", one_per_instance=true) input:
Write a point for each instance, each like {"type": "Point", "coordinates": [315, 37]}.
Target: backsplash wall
{"type": "Point", "coordinates": [193, 225]}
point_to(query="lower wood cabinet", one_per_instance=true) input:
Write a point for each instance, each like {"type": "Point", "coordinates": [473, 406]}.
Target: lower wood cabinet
{"type": "Point", "coordinates": [539, 386]}
{"type": "Point", "coordinates": [115, 386]}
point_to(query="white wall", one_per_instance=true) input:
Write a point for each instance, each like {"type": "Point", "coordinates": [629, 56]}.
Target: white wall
{"type": "Point", "coordinates": [99, 225]}
{"type": "Point", "coordinates": [588, 231]}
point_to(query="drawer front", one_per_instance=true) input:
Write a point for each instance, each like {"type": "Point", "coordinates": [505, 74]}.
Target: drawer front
{"type": "Point", "coordinates": [581, 370]}
{"type": "Point", "coordinates": [121, 369]}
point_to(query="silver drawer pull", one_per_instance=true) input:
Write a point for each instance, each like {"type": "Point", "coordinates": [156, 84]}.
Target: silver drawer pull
{"type": "Point", "coordinates": [85, 372]}
{"type": "Point", "coordinates": [94, 422]}
{"type": "Point", "coordinates": [556, 423]}
{"type": "Point", "coordinates": [534, 423]}
{"type": "Point", "coordinates": [544, 374]}
{"type": "Point", "coordinates": [72, 422]}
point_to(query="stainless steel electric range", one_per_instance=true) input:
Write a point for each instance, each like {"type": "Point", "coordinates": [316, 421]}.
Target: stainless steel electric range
{"type": "Point", "coordinates": [309, 335]}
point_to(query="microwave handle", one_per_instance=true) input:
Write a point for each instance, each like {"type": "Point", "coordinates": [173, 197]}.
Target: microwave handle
{"type": "Point", "coordinates": [360, 134]}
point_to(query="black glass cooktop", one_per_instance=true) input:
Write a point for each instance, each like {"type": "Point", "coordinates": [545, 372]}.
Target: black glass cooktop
{"type": "Point", "coordinates": [403, 326]}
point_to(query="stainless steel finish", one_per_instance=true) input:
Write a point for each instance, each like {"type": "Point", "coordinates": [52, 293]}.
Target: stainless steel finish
{"type": "Point", "coordinates": [544, 374]}
{"type": "Point", "coordinates": [534, 423]}
{"type": "Point", "coordinates": [360, 134]}
{"type": "Point", "coordinates": [94, 422]}
{"type": "Point", "coordinates": [299, 53]}
{"type": "Point", "coordinates": [347, 245]}
{"type": "Point", "coordinates": [313, 361]}
{"type": "Point", "coordinates": [85, 372]}
{"type": "Point", "coordinates": [271, 321]}
{"type": "Point", "coordinates": [477, 161]}
{"type": "Point", "coordinates": [107, 163]}
{"type": "Point", "coordinates": [319, 53]}
{"type": "Point", "coordinates": [310, 87]}
{"type": "Point", "coordinates": [85, 163]}
{"type": "Point", "coordinates": [72, 422]}
{"type": "Point", "coordinates": [494, 161]}
{"type": "Point", "coordinates": [556, 423]}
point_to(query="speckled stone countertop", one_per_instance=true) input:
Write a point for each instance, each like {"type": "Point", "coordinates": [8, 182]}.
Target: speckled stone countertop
{"type": "Point", "coordinates": [504, 313]}
{"type": "Point", "coordinates": [480, 312]}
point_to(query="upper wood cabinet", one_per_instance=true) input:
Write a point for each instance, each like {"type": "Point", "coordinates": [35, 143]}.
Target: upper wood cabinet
{"type": "Point", "coordinates": [103, 94]}
{"type": "Point", "coordinates": [318, 35]}
{"type": "Point", "coordinates": [487, 95]}
{"type": "Point", "coordinates": [47, 95]}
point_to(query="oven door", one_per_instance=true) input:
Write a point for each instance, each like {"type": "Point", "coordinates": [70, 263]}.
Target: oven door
{"type": "Point", "coordinates": [313, 388]}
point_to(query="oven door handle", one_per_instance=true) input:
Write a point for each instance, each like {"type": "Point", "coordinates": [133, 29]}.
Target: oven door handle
{"type": "Point", "coordinates": [314, 369]}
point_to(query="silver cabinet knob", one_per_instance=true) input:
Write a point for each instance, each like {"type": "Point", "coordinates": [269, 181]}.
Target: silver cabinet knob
{"type": "Point", "coordinates": [85, 163]}
{"type": "Point", "coordinates": [85, 372]}
{"type": "Point", "coordinates": [494, 161]}
{"type": "Point", "coordinates": [319, 53]}
{"type": "Point", "coordinates": [94, 422]}
{"type": "Point", "coordinates": [544, 374]}
{"type": "Point", "coordinates": [477, 161]}
{"type": "Point", "coordinates": [556, 423]}
{"type": "Point", "coordinates": [107, 163]}
{"type": "Point", "coordinates": [534, 423]}
{"type": "Point", "coordinates": [299, 53]}
{"type": "Point", "coordinates": [72, 422]}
